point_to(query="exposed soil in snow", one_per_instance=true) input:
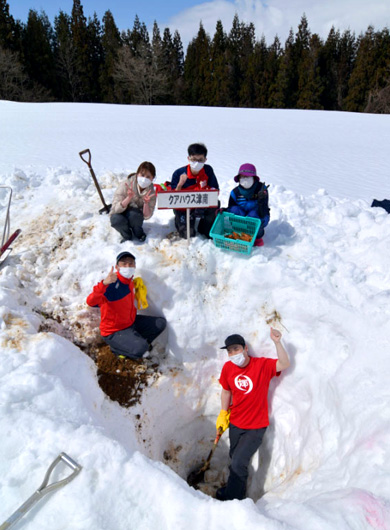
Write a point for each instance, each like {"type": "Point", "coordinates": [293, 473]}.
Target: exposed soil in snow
{"type": "Point", "coordinates": [123, 380]}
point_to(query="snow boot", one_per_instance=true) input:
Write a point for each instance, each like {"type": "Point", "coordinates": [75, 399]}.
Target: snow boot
{"type": "Point", "coordinates": [220, 494]}
{"type": "Point", "coordinates": [258, 242]}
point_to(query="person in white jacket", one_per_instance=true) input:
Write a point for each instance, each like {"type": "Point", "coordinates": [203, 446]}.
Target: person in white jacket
{"type": "Point", "coordinates": [134, 202]}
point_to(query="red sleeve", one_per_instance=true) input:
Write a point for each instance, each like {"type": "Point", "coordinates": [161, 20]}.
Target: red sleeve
{"type": "Point", "coordinates": [223, 379]}
{"type": "Point", "coordinates": [96, 298]}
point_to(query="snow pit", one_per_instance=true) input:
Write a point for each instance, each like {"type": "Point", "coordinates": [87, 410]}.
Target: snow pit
{"type": "Point", "coordinates": [322, 278]}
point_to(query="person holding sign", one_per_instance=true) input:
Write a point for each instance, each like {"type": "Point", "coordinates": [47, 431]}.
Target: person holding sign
{"type": "Point", "coordinates": [134, 201]}
{"type": "Point", "coordinates": [196, 175]}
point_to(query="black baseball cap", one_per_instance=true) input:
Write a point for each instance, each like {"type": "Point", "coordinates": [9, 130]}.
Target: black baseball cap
{"type": "Point", "coordinates": [233, 339]}
{"type": "Point", "coordinates": [124, 255]}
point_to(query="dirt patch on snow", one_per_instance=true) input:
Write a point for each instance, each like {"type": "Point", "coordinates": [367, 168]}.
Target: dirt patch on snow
{"type": "Point", "coordinates": [123, 380]}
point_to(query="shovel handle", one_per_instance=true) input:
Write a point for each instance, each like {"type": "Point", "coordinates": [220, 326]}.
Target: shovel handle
{"type": "Point", "coordinates": [63, 457]}
{"type": "Point", "coordinates": [88, 152]}
{"type": "Point", "coordinates": [44, 489]}
{"type": "Point", "coordinates": [218, 437]}
{"type": "Point", "coordinates": [10, 241]}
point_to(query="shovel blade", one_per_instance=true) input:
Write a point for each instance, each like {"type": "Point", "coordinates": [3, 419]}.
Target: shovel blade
{"type": "Point", "coordinates": [197, 475]}
{"type": "Point", "coordinates": [105, 209]}
{"type": "Point", "coordinates": [4, 255]}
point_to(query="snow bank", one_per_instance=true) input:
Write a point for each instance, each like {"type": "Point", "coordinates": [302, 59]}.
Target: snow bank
{"type": "Point", "coordinates": [322, 278]}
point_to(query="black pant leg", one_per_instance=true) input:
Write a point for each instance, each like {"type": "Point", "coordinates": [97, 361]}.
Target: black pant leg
{"type": "Point", "coordinates": [120, 222]}
{"type": "Point", "coordinates": [206, 221]}
{"type": "Point", "coordinates": [149, 327]}
{"type": "Point", "coordinates": [181, 222]}
{"type": "Point", "coordinates": [136, 218]}
{"type": "Point", "coordinates": [243, 445]}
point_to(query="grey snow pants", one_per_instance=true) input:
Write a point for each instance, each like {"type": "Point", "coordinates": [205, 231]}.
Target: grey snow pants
{"type": "Point", "coordinates": [134, 341]}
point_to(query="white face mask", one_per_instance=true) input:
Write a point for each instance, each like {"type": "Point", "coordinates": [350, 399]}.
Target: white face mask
{"type": "Point", "coordinates": [127, 272]}
{"type": "Point", "coordinates": [196, 166]}
{"type": "Point", "coordinates": [143, 182]}
{"type": "Point", "coordinates": [238, 359]}
{"type": "Point", "coordinates": [246, 182]}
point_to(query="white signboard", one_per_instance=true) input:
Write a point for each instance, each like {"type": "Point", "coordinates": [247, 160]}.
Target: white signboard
{"type": "Point", "coordinates": [187, 199]}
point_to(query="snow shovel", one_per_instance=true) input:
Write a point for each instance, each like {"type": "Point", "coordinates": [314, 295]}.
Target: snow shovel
{"type": "Point", "coordinates": [5, 250]}
{"type": "Point", "coordinates": [44, 489]}
{"type": "Point", "coordinates": [106, 207]}
{"type": "Point", "coordinates": [197, 475]}
{"type": "Point", "coordinates": [7, 240]}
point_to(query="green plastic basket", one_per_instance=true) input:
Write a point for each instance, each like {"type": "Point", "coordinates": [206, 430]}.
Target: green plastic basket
{"type": "Point", "coordinates": [227, 223]}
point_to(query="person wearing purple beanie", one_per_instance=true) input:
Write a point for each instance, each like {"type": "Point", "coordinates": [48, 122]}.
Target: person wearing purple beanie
{"type": "Point", "coordinates": [250, 198]}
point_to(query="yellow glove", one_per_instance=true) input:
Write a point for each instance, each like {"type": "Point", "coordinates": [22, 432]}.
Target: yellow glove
{"type": "Point", "coordinates": [223, 420]}
{"type": "Point", "coordinates": [140, 293]}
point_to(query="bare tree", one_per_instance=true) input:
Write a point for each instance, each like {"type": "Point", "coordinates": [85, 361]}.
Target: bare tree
{"type": "Point", "coordinates": [15, 85]}
{"type": "Point", "coordinates": [67, 67]}
{"type": "Point", "coordinates": [12, 78]}
{"type": "Point", "coordinates": [379, 101]}
{"type": "Point", "coordinates": [142, 75]}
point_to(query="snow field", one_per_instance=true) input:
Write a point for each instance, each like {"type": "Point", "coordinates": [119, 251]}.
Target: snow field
{"type": "Point", "coordinates": [322, 278]}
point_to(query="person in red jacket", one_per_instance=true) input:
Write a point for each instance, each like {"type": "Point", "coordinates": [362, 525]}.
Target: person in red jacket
{"type": "Point", "coordinates": [127, 333]}
{"type": "Point", "coordinates": [244, 406]}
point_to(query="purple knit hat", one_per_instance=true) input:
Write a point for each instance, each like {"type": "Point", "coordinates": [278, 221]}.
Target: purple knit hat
{"type": "Point", "coordinates": [246, 170]}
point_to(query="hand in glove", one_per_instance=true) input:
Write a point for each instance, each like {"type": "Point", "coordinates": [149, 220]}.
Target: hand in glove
{"type": "Point", "coordinates": [223, 420]}
{"type": "Point", "coordinates": [140, 293]}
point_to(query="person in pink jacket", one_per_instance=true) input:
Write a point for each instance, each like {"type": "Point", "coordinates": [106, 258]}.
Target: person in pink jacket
{"type": "Point", "coordinates": [134, 202]}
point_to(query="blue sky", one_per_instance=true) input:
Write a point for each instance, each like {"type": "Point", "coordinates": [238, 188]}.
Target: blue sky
{"type": "Point", "coordinates": [270, 17]}
{"type": "Point", "coordinates": [124, 11]}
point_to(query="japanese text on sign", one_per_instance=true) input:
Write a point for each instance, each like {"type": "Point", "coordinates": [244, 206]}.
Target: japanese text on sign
{"type": "Point", "coordinates": [191, 199]}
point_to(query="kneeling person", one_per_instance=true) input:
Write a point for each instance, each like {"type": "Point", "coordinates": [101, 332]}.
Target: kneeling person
{"type": "Point", "coordinates": [245, 381]}
{"type": "Point", "coordinates": [121, 328]}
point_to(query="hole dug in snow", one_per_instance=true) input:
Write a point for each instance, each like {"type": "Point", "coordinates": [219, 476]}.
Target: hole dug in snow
{"type": "Point", "coordinates": [175, 424]}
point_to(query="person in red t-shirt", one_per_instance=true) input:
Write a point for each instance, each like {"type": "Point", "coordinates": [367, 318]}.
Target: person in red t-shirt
{"type": "Point", "coordinates": [244, 406]}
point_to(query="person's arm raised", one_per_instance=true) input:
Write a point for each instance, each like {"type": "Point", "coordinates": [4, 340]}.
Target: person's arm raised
{"type": "Point", "coordinates": [283, 361]}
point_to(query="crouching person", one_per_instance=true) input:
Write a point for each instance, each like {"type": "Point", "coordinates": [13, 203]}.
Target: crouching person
{"type": "Point", "coordinates": [196, 176]}
{"type": "Point", "coordinates": [134, 202]}
{"type": "Point", "coordinates": [127, 333]}
{"type": "Point", "coordinates": [244, 406]}
{"type": "Point", "coordinates": [250, 198]}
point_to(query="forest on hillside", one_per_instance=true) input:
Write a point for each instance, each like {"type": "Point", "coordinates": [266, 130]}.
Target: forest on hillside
{"type": "Point", "coordinates": [88, 60]}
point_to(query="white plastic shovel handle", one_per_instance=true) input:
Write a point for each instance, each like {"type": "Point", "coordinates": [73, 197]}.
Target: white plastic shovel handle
{"type": "Point", "coordinates": [44, 488]}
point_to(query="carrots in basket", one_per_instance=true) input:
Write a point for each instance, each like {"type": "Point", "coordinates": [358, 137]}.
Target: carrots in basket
{"type": "Point", "coordinates": [239, 235]}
